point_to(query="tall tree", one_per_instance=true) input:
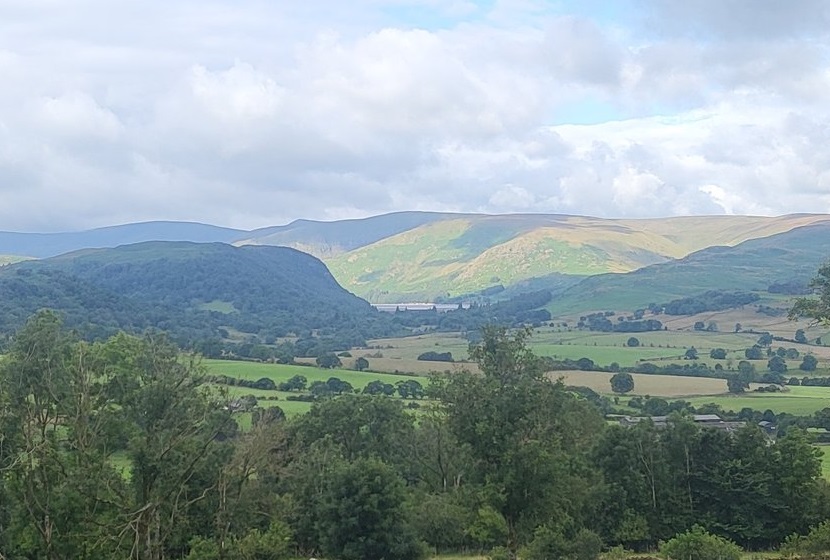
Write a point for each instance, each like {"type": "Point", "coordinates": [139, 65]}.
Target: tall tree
{"type": "Point", "coordinates": [526, 434]}
{"type": "Point", "coordinates": [817, 309]}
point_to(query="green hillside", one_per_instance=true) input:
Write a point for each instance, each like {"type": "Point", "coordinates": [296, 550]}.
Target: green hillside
{"type": "Point", "coordinates": [753, 265]}
{"type": "Point", "coordinates": [469, 253]}
{"type": "Point", "coordinates": [191, 289]}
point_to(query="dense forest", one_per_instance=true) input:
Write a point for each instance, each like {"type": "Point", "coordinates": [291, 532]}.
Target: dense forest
{"type": "Point", "coordinates": [223, 300]}
{"type": "Point", "coordinates": [121, 449]}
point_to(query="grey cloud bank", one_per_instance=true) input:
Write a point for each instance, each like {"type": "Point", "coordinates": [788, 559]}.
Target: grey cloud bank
{"type": "Point", "coordinates": [255, 113]}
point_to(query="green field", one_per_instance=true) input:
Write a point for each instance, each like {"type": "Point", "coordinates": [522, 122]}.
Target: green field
{"type": "Point", "coordinates": [797, 400]}
{"type": "Point", "coordinates": [825, 461]}
{"type": "Point", "coordinates": [280, 372]}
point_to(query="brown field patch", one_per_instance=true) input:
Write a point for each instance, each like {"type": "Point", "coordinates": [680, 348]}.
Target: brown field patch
{"type": "Point", "coordinates": [655, 385]}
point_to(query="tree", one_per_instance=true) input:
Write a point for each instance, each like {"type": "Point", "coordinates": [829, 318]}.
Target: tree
{"type": "Point", "coordinates": [800, 336]}
{"type": "Point", "coordinates": [410, 389]}
{"type": "Point", "coordinates": [622, 383]}
{"type": "Point", "coordinates": [377, 387]}
{"type": "Point", "coordinates": [526, 434]}
{"type": "Point", "coordinates": [717, 354]}
{"type": "Point", "coordinates": [738, 327]}
{"type": "Point", "coordinates": [735, 384]}
{"type": "Point", "coordinates": [328, 361]}
{"type": "Point", "coordinates": [691, 354]}
{"type": "Point", "coordinates": [699, 325]}
{"type": "Point", "coordinates": [764, 340]}
{"type": "Point", "coordinates": [777, 364]}
{"type": "Point", "coordinates": [633, 342]}
{"type": "Point", "coordinates": [817, 309]}
{"type": "Point", "coordinates": [808, 363]}
{"type": "Point", "coordinates": [754, 353]}
{"type": "Point", "coordinates": [295, 383]}
{"type": "Point", "coordinates": [363, 514]}
{"type": "Point", "coordinates": [361, 363]}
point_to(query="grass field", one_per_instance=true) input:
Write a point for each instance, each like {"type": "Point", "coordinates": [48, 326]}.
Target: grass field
{"type": "Point", "coordinates": [280, 372]}
{"type": "Point", "coordinates": [825, 461]}
{"type": "Point", "coordinates": [798, 400]}
{"type": "Point", "coordinates": [669, 386]}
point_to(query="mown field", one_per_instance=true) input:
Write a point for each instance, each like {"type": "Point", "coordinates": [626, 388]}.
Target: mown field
{"type": "Point", "coordinates": [796, 400]}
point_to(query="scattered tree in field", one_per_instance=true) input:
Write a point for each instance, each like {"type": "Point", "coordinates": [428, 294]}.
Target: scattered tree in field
{"type": "Point", "coordinates": [433, 356]}
{"type": "Point", "coordinates": [328, 361]}
{"type": "Point", "coordinates": [633, 342]}
{"type": "Point", "coordinates": [800, 336]}
{"type": "Point", "coordinates": [735, 384]}
{"type": "Point", "coordinates": [817, 309]}
{"type": "Point", "coordinates": [377, 387]}
{"type": "Point", "coordinates": [754, 353]}
{"type": "Point", "coordinates": [622, 383]}
{"type": "Point", "coordinates": [808, 363]}
{"type": "Point", "coordinates": [764, 340]}
{"type": "Point", "coordinates": [777, 364]}
{"type": "Point", "coordinates": [717, 354]}
{"type": "Point", "coordinates": [296, 383]}
{"type": "Point", "coordinates": [361, 363]}
{"type": "Point", "coordinates": [738, 327]}
{"type": "Point", "coordinates": [712, 326]}
{"type": "Point", "coordinates": [691, 354]}
{"type": "Point", "coordinates": [699, 325]}
{"type": "Point", "coordinates": [410, 389]}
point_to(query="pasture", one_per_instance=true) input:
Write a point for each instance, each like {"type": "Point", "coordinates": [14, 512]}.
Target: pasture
{"type": "Point", "coordinates": [797, 400]}
{"type": "Point", "coordinates": [666, 386]}
{"type": "Point", "coordinates": [281, 372]}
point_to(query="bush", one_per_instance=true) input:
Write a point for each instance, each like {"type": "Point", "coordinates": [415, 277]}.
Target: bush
{"type": "Point", "coordinates": [435, 357]}
{"type": "Point", "coordinates": [697, 544]}
{"type": "Point", "coordinates": [815, 543]}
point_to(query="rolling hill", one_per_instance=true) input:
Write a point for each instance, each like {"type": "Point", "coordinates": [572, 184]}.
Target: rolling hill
{"type": "Point", "coordinates": [190, 289]}
{"type": "Point", "coordinates": [753, 265]}
{"type": "Point", "coordinates": [43, 245]}
{"type": "Point", "coordinates": [429, 256]}
{"type": "Point", "coordinates": [467, 254]}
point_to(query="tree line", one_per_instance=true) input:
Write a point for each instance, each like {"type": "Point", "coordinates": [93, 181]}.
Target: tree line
{"type": "Point", "coordinates": [121, 449]}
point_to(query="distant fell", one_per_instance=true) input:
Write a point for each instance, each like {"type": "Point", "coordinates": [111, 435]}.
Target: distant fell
{"type": "Point", "coordinates": [43, 245]}
{"type": "Point", "coordinates": [433, 256]}
{"type": "Point", "coordinates": [791, 258]}
{"type": "Point", "coordinates": [469, 253]}
{"type": "Point", "coordinates": [328, 239]}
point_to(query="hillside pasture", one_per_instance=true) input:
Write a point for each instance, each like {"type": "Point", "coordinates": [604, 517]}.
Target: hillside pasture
{"type": "Point", "coordinates": [795, 400]}
{"type": "Point", "coordinates": [279, 373]}
{"type": "Point", "coordinates": [666, 386]}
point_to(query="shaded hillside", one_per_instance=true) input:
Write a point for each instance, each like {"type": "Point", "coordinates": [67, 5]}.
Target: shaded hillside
{"type": "Point", "coordinates": [41, 245]}
{"type": "Point", "coordinates": [787, 258]}
{"type": "Point", "coordinates": [190, 289]}
{"type": "Point", "coordinates": [470, 253]}
{"type": "Point", "coordinates": [326, 239]}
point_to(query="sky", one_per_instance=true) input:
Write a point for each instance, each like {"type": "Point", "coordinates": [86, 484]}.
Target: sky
{"type": "Point", "coordinates": [250, 113]}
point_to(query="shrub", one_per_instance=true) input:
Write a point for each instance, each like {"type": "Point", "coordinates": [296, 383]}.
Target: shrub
{"type": "Point", "coordinates": [697, 544]}
{"type": "Point", "coordinates": [815, 543]}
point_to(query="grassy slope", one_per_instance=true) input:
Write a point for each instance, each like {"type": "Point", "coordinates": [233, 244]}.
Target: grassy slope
{"type": "Point", "coordinates": [752, 265]}
{"type": "Point", "coordinates": [472, 252]}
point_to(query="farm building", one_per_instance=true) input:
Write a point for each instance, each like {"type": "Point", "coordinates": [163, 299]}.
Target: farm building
{"type": "Point", "coordinates": [703, 420]}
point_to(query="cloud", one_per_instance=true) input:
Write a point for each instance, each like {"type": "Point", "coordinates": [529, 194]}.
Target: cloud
{"type": "Point", "coordinates": [258, 113]}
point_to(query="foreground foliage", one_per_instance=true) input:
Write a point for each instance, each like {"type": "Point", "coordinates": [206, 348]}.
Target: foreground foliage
{"type": "Point", "coordinates": [507, 461]}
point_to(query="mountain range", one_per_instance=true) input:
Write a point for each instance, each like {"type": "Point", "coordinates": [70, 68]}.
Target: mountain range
{"type": "Point", "coordinates": [429, 256]}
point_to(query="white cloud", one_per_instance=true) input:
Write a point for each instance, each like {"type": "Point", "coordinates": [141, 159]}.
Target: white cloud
{"type": "Point", "coordinates": [257, 113]}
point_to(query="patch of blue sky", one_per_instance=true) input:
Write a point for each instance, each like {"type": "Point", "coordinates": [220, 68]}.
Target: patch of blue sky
{"type": "Point", "coordinates": [615, 12]}
{"type": "Point", "coordinates": [588, 110]}
{"type": "Point", "coordinates": [434, 16]}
